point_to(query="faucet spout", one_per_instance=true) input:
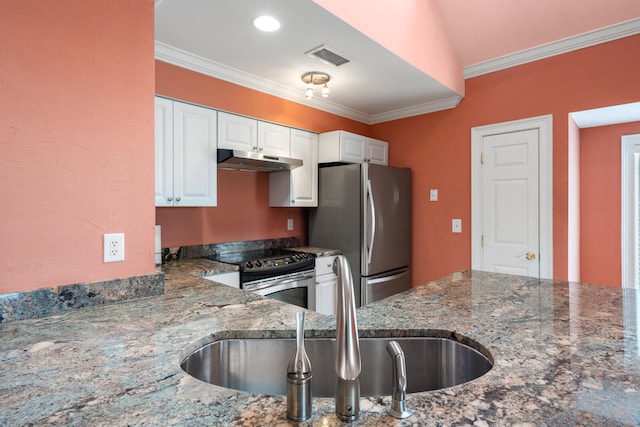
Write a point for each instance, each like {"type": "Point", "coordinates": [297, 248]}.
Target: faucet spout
{"type": "Point", "coordinates": [398, 407]}
{"type": "Point", "coordinates": [347, 345]}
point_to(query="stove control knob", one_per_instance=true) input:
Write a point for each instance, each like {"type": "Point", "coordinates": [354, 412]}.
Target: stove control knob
{"type": "Point", "coordinates": [287, 260]}
{"type": "Point", "coordinates": [249, 264]}
{"type": "Point", "coordinates": [296, 257]}
{"type": "Point", "coordinates": [258, 263]}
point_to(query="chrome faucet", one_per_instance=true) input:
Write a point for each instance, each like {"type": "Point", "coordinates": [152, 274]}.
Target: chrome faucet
{"type": "Point", "coordinates": [347, 345]}
{"type": "Point", "coordinates": [398, 407]}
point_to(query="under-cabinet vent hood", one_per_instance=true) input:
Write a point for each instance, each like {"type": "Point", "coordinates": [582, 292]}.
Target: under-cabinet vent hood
{"type": "Point", "coordinates": [255, 162]}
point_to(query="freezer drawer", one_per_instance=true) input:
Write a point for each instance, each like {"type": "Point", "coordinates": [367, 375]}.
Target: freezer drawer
{"type": "Point", "coordinates": [375, 288]}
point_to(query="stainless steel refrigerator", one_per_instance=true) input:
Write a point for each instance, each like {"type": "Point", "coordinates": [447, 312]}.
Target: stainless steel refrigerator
{"type": "Point", "coordinates": [365, 211]}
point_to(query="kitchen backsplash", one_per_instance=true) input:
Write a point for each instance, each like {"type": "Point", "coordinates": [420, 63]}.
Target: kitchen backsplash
{"type": "Point", "coordinates": [59, 299]}
{"type": "Point", "coordinates": [199, 251]}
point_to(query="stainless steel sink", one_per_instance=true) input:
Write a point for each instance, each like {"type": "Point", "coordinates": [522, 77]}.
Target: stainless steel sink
{"type": "Point", "coordinates": [259, 365]}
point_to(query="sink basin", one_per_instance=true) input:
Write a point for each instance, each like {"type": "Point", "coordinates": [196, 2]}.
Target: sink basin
{"type": "Point", "coordinates": [260, 365]}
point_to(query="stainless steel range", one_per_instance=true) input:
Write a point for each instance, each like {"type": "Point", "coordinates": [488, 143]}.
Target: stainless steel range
{"type": "Point", "coordinates": [280, 274]}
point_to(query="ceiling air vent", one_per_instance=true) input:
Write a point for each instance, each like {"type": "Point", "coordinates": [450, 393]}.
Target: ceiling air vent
{"type": "Point", "coordinates": [328, 55]}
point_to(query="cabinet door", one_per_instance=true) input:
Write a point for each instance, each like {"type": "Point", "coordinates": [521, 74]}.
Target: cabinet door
{"type": "Point", "coordinates": [274, 139]}
{"type": "Point", "coordinates": [195, 158]}
{"type": "Point", "coordinates": [326, 293]}
{"type": "Point", "coordinates": [298, 187]}
{"type": "Point", "coordinates": [324, 265]}
{"type": "Point", "coordinates": [237, 132]}
{"type": "Point", "coordinates": [377, 151]}
{"type": "Point", "coordinates": [164, 151]}
{"type": "Point", "coordinates": [352, 147]}
{"type": "Point", "coordinates": [304, 180]}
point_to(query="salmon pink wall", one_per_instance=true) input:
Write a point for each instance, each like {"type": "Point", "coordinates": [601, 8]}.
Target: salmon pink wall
{"type": "Point", "coordinates": [600, 203]}
{"type": "Point", "coordinates": [76, 136]}
{"type": "Point", "coordinates": [418, 36]}
{"type": "Point", "coordinates": [243, 211]}
{"type": "Point", "coordinates": [437, 146]}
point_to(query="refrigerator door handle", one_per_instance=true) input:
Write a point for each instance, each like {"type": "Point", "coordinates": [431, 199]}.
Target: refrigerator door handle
{"type": "Point", "coordinates": [373, 221]}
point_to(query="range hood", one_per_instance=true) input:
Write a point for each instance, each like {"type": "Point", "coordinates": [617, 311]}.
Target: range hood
{"type": "Point", "coordinates": [254, 162]}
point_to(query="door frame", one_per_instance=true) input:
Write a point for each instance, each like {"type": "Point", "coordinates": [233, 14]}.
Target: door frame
{"type": "Point", "coordinates": [628, 230]}
{"type": "Point", "coordinates": [544, 124]}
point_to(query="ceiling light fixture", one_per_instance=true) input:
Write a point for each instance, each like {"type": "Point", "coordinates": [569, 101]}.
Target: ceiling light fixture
{"type": "Point", "coordinates": [266, 23]}
{"type": "Point", "coordinates": [316, 78]}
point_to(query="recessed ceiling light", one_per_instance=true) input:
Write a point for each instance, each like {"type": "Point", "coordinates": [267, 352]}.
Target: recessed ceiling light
{"type": "Point", "coordinates": [266, 23]}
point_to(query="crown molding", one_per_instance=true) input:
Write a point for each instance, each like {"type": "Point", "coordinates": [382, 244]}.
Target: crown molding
{"type": "Point", "coordinates": [416, 110]}
{"type": "Point", "coordinates": [184, 59]}
{"type": "Point", "coordinates": [559, 47]}
{"type": "Point", "coordinates": [189, 61]}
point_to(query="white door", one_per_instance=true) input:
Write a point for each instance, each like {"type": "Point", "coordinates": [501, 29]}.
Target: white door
{"type": "Point", "coordinates": [511, 198]}
{"type": "Point", "coordinates": [510, 203]}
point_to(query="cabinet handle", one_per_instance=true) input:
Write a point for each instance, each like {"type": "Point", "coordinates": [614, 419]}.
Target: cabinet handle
{"type": "Point", "coordinates": [169, 199]}
{"type": "Point", "coordinates": [177, 199]}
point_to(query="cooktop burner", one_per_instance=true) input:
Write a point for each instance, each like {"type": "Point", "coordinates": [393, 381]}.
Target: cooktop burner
{"type": "Point", "coordinates": [243, 257]}
{"type": "Point", "coordinates": [264, 258]}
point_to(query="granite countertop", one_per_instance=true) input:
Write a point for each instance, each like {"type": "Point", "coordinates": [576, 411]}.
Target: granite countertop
{"type": "Point", "coordinates": [318, 252]}
{"type": "Point", "coordinates": [565, 355]}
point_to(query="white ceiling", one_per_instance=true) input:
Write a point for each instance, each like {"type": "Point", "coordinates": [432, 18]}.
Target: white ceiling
{"type": "Point", "coordinates": [215, 37]}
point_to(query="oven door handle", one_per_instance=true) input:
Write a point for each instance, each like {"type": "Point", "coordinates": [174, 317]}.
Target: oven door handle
{"type": "Point", "coordinates": [279, 282]}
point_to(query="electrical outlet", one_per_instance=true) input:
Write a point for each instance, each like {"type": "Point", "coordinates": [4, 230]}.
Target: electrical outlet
{"type": "Point", "coordinates": [113, 247]}
{"type": "Point", "coordinates": [456, 226]}
{"type": "Point", "coordinates": [290, 224]}
{"type": "Point", "coordinates": [433, 195]}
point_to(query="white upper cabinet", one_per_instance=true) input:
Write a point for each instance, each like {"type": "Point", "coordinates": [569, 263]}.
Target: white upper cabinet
{"type": "Point", "coordinates": [163, 135]}
{"type": "Point", "coordinates": [298, 187]}
{"type": "Point", "coordinates": [377, 151]}
{"type": "Point", "coordinates": [347, 147]}
{"type": "Point", "coordinates": [185, 154]}
{"type": "Point", "coordinates": [237, 132]}
{"type": "Point", "coordinates": [274, 139]}
{"type": "Point", "coordinates": [246, 134]}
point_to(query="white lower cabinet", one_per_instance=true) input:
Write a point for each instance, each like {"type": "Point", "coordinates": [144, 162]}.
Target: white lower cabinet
{"type": "Point", "coordinates": [185, 154]}
{"type": "Point", "coordinates": [298, 187]}
{"type": "Point", "coordinates": [326, 284]}
{"type": "Point", "coordinates": [231, 278]}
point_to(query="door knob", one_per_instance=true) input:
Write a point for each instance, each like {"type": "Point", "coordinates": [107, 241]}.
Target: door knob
{"type": "Point", "coordinates": [530, 256]}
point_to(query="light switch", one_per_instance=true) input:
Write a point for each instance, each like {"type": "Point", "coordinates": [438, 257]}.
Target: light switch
{"type": "Point", "coordinates": [433, 195]}
{"type": "Point", "coordinates": [456, 226]}
{"type": "Point", "coordinates": [290, 224]}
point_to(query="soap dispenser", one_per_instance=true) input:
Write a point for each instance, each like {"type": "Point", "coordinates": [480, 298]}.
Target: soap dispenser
{"type": "Point", "coordinates": [299, 377]}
